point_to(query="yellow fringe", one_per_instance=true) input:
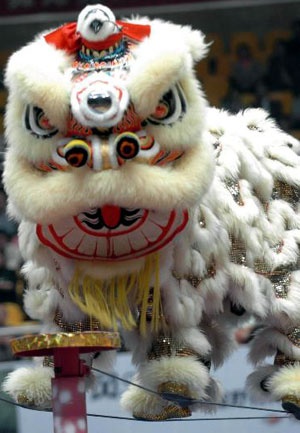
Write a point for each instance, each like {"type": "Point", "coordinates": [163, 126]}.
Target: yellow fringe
{"type": "Point", "coordinates": [110, 301]}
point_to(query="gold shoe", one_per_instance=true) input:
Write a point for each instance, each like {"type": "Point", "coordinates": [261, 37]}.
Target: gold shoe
{"type": "Point", "coordinates": [291, 404]}
{"type": "Point", "coordinates": [171, 411]}
{"type": "Point", "coordinates": [24, 400]}
{"type": "Point", "coordinates": [173, 392]}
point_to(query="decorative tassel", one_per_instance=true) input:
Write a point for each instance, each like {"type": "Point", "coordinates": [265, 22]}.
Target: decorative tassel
{"type": "Point", "coordinates": [110, 301]}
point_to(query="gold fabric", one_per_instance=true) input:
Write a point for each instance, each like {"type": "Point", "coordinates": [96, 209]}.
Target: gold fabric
{"type": "Point", "coordinates": [282, 360]}
{"type": "Point", "coordinates": [286, 192]}
{"type": "Point", "coordinates": [294, 336]}
{"type": "Point", "coordinates": [86, 324]}
{"type": "Point", "coordinates": [234, 188]}
{"type": "Point", "coordinates": [238, 251]}
{"type": "Point", "coordinates": [165, 346]}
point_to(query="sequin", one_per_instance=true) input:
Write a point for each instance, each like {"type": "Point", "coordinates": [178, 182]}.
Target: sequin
{"type": "Point", "coordinates": [294, 336]}
{"type": "Point", "coordinates": [284, 191]}
{"type": "Point", "coordinates": [282, 360]}
{"type": "Point", "coordinates": [201, 220]}
{"type": "Point", "coordinates": [86, 324]}
{"type": "Point", "coordinates": [234, 189]}
{"type": "Point", "coordinates": [253, 127]}
{"type": "Point", "coordinates": [281, 285]}
{"type": "Point", "coordinates": [195, 280]}
{"type": "Point", "coordinates": [165, 346]}
{"type": "Point", "coordinates": [280, 277]}
{"type": "Point", "coordinates": [238, 251]}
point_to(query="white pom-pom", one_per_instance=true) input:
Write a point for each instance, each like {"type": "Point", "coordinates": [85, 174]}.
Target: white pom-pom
{"type": "Point", "coordinates": [96, 23]}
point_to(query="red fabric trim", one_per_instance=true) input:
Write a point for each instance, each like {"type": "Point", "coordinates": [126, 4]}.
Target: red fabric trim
{"type": "Point", "coordinates": [136, 32]}
{"type": "Point", "coordinates": [66, 38]}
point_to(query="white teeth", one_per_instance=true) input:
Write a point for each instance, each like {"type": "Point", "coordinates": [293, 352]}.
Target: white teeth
{"type": "Point", "coordinates": [73, 240]}
{"type": "Point", "coordinates": [103, 53]}
{"type": "Point", "coordinates": [159, 219]}
{"type": "Point", "coordinates": [83, 49]}
{"type": "Point", "coordinates": [153, 232]}
{"type": "Point", "coordinates": [111, 49]}
{"type": "Point", "coordinates": [64, 227]}
{"type": "Point", "coordinates": [138, 241]}
{"type": "Point", "coordinates": [96, 53]}
{"type": "Point", "coordinates": [119, 248]}
{"type": "Point", "coordinates": [98, 247]}
{"type": "Point", "coordinates": [88, 52]}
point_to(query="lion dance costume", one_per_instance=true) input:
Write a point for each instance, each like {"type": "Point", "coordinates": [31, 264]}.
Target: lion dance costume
{"type": "Point", "coordinates": [143, 209]}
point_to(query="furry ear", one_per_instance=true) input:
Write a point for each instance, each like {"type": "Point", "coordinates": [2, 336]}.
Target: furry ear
{"type": "Point", "coordinates": [37, 71]}
{"type": "Point", "coordinates": [195, 41]}
{"type": "Point", "coordinates": [162, 59]}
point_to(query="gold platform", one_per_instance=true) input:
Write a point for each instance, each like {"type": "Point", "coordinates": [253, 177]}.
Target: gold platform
{"type": "Point", "coordinates": [45, 344]}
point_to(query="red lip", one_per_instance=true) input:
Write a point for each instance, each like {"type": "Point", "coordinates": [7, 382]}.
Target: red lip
{"type": "Point", "coordinates": [112, 233]}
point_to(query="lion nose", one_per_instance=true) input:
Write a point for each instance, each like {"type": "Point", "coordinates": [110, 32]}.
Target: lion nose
{"type": "Point", "coordinates": [99, 101]}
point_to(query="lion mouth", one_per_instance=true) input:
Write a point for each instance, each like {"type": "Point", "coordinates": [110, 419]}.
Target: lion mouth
{"type": "Point", "coordinates": [112, 233]}
{"type": "Point", "coordinates": [111, 217]}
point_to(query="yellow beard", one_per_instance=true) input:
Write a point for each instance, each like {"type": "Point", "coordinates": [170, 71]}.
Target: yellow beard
{"type": "Point", "coordinates": [122, 299]}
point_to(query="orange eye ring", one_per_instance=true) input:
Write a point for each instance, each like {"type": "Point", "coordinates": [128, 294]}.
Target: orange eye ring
{"type": "Point", "coordinates": [128, 146]}
{"type": "Point", "coordinates": [77, 153]}
{"type": "Point", "coordinates": [161, 111]}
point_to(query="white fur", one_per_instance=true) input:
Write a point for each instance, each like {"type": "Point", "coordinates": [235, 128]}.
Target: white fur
{"type": "Point", "coordinates": [286, 382]}
{"type": "Point", "coordinates": [34, 383]}
{"type": "Point", "coordinates": [184, 371]}
{"type": "Point", "coordinates": [255, 379]}
{"type": "Point", "coordinates": [227, 179]}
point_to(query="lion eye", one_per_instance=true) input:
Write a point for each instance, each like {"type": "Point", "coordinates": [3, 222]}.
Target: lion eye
{"type": "Point", "coordinates": [37, 122]}
{"type": "Point", "coordinates": [170, 108]}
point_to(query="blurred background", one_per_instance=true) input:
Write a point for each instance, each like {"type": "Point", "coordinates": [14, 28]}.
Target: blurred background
{"type": "Point", "coordinates": [254, 61]}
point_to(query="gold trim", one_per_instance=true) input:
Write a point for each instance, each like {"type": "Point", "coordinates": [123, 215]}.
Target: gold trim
{"type": "Point", "coordinates": [290, 398]}
{"type": "Point", "coordinates": [282, 360]}
{"type": "Point", "coordinates": [168, 412]}
{"type": "Point", "coordinates": [174, 388]}
{"type": "Point", "coordinates": [24, 400]}
{"type": "Point", "coordinates": [36, 343]}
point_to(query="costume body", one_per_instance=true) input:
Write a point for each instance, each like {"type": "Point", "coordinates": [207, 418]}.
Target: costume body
{"type": "Point", "coordinates": [142, 208]}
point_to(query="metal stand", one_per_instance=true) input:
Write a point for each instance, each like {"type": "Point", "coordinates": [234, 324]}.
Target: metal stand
{"type": "Point", "coordinates": [68, 385]}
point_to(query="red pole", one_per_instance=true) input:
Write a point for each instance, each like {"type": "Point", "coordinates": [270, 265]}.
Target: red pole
{"type": "Point", "coordinates": [68, 385]}
{"type": "Point", "coordinates": [68, 392]}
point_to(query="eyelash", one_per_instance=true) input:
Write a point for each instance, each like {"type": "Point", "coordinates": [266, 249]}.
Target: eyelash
{"type": "Point", "coordinates": [171, 107]}
{"type": "Point", "coordinates": [37, 123]}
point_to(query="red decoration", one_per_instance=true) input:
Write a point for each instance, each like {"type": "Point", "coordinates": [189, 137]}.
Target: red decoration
{"type": "Point", "coordinates": [66, 37]}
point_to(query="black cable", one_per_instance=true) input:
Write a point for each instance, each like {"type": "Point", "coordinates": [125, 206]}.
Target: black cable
{"type": "Point", "coordinates": [189, 419]}
{"type": "Point", "coordinates": [5, 400]}
{"type": "Point", "coordinates": [187, 401]}
{"type": "Point", "coordinates": [124, 418]}
{"type": "Point", "coordinates": [128, 382]}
